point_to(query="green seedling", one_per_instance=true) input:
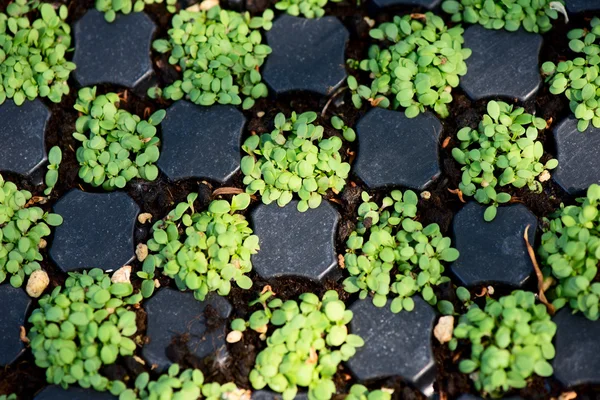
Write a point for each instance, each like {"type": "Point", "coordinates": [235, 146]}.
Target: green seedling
{"type": "Point", "coordinates": [22, 229]}
{"type": "Point", "coordinates": [294, 158]}
{"type": "Point", "coordinates": [417, 66]}
{"type": "Point", "coordinates": [203, 251]}
{"type": "Point", "coordinates": [532, 15]}
{"type": "Point", "coordinates": [308, 8]}
{"type": "Point", "coordinates": [339, 124]}
{"type": "Point", "coordinates": [570, 252]}
{"type": "Point", "coordinates": [54, 160]}
{"type": "Point", "coordinates": [309, 342]}
{"type": "Point", "coordinates": [390, 252]}
{"type": "Point", "coordinates": [78, 329]}
{"type": "Point", "coordinates": [220, 53]}
{"type": "Point", "coordinates": [110, 8]}
{"type": "Point", "coordinates": [32, 53]}
{"type": "Point", "coordinates": [502, 151]}
{"type": "Point", "coordinates": [182, 385]}
{"type": "Point", "coordinates": [360, 392]}
{"type": "Point", "coordinates": [117, 146]}
{"type": "Point", "coordinates": [511, 340]}
{"type": "Point", "coordinates": [578, 78]}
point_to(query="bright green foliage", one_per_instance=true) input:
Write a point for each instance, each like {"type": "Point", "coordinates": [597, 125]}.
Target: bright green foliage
{"type": "Point", "coordinates": [578, 78]}
{"type": "Point", "coordinates": [570, 252]}
{"type": "Point", "coordinates": [117, 146]}
{"type": "Point", "coordinates": [503, 150]}
{"type": "Point", "coordinates": [511, 339]}
{"type": "Point", "coordinates": [311, 339]}
{"type": "Point", "coordinates": [294, 158]}
{"type": "Point", "coordinates": [203, 251]}
{"type": "Point", "coordinates": [110, 8]}
{"type": "Point", "coordinates": [417, 67]}
{"type": "Point", "coordinates": [533, 15]}
{"type": "Point", "coordinates": [32, 54]}
{"type": "Point", "coordinates": [21, 231]}
{"type": "Point", "coordinates": [339, 124]}
{"type": "Point", "coordinates": [80, 328]}
{"type": "Point", "coordinates": [219, 52]}
{"type": "Point", "coordinates": [176, 384]}
{"type": "Point", "coordinates": [11, 396]}
{"type": "Point", "coordinates": [54, 160]}
{"type": "Point", "coordinates": [308, 8]}
{"type": "Point", "coordinates": [360, 392]}
{"type": "Point", "coordinates": [391, 252]}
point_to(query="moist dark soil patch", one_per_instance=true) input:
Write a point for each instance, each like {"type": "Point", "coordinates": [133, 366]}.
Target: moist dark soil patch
{"type": "Point", "coordinates": [158, 198]}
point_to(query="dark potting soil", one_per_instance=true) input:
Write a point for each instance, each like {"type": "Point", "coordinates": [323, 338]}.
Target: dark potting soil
{"type": "Point", "coordinates": [159, 197]}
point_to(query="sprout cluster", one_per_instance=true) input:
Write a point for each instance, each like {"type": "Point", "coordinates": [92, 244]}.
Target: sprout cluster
{"type": "Point", "coordinates": [360, 392]}
{"type": "Point", "coordinates": [117, 146]}
{"type": "Point", "coordinates": [32, 54]}
{"type": "Point", "coordinates": [570, 252]}
{"type": "Point", "coordinates": [511, 339]}
{"type": "Point", "coordinates": [503, 151]}
{"type": "Point", "coordinates": [110, 8]}
{"type": "Point", "coordinates": [294, 158]}
{"type": "Point", "coordinates": [391, 252]}
{"type": "Point", "coordinates": [308, 8]}
{"type": "Point", "coordinates": [419, 64]}
{"type": "Point", "coordinates": [78, 329]}
{"type": "Point", "coordinates": [203, 251]}
{"type": "Point", "coordinates": [533, 15]}
{"type": "Point", "coordinates": [176, 384]}
{"type": "Point", "coordinates": [54, 160]}
{"type": "Point", "coordinates": [311, 339]}
{"type": "Point", "coordinates": [220, 53]}
{"type": "Point", "coordinates": [22, 229]}
{"type": "Point", "coordinates": [579, 78]}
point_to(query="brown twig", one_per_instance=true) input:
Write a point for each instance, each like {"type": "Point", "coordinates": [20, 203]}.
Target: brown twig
{"type": "Point", "coordinates": [333, 96]}
{"type": "Point", "coordinates": [538, 273]}
{"type": "Point", "coordinates": [226, 190]}
{"type": "Point", "coordinates": [459, 193]}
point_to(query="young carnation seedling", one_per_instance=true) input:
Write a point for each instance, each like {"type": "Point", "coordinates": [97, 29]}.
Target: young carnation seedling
{"type": "Point", "coordinates": [78, 329]}
{"type": "Point", "coordinates": [339, 124]}
{"type": "Point", "coordinates": [32, 53]}
{"type": "Point", "coordinates": [578, 78]}
{"type": "Point", "coordinates": [308, 343]}
{"type": "Point", "coordinates": [22, 229]}
{"type": "Point", "coordinates": [511, 339]}
{"type": "Point", "coordinates": [390, 252]}
{"type": "Point", "coordinates": [570, 252]}
{"type": "Point", "coordinates": [502, 151]}
{"type": "Point", "coordinates": [110, 8]}
{"type": "Point", "coordinates": [203, 251]}
{"type": "Point", "coordinates": [176, 384]}
{"type": "Point", "coordinates": [360, 392]}
{"type": "Point", "coordinates": [117, 146]}
{"type": "Point", "coordinates": [54, 160]}
{"type": "Point", "coordinates": [294, 158]}
{"type": "Point", "coordinates": [421, 60]}
{"type": "Point", "coordinates": [533, 15]}
{"type": "Point", "coordinates": [308, 8]}
{"type": "Point", "coordinates": [219, 53]}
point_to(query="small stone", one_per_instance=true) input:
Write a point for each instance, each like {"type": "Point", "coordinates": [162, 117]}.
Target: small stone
{"type": "Point", "coordinates": [234, 336]}
{"type": "Point", "coordinates": [141, 251]}
{"type": "Point", "coordinates": [577, 6]}
{"type": "Point", "coordinates": [493, 252]}
{"type": "Point", "coordinates": [237, 394]}
{"type": "Point", "coordinates": [395, 344]}
{"type": "Point", "coordinates": [428, 4]}
{"type": "Point", "coordinates": [396, 150]}
{"type": "Point", "coordinates": [117, 52]}
{"type": "Point", "coordinates": [308, 55]}
{"type": "Point", "coordinates": [72, 393]}
{"type": "Point", "coordinates": [144, 217]}
{"type": "Point", "coordinates": [444, 328]}
{"type": "Point", "coordinates": [97, 230]}
{"type": "Point", "coordinates": [15, 304]}
{"type": "Point", "coordinates": [122, 275]}
{"type": "Point", "coordinates": [294, 243]}
{"type": "Point", "coordinates": [544, 176]}
{"type": "Point", "coordinates": [38, 282]}
{"type": "Point", "coordinates": [174, 315]}
{"type": "Point", "coordinates": [577, 360]}
{"type": "Point", "coordinates": [201, 141]}
{"type": "Point", "coordinates": [22, 136]}
{"type": "Point", "coordinates": [502, 64]}
{"type": "Point", "coordinates": [577, 155]}
{"type": "Point", "coordinates": [426, 195]}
